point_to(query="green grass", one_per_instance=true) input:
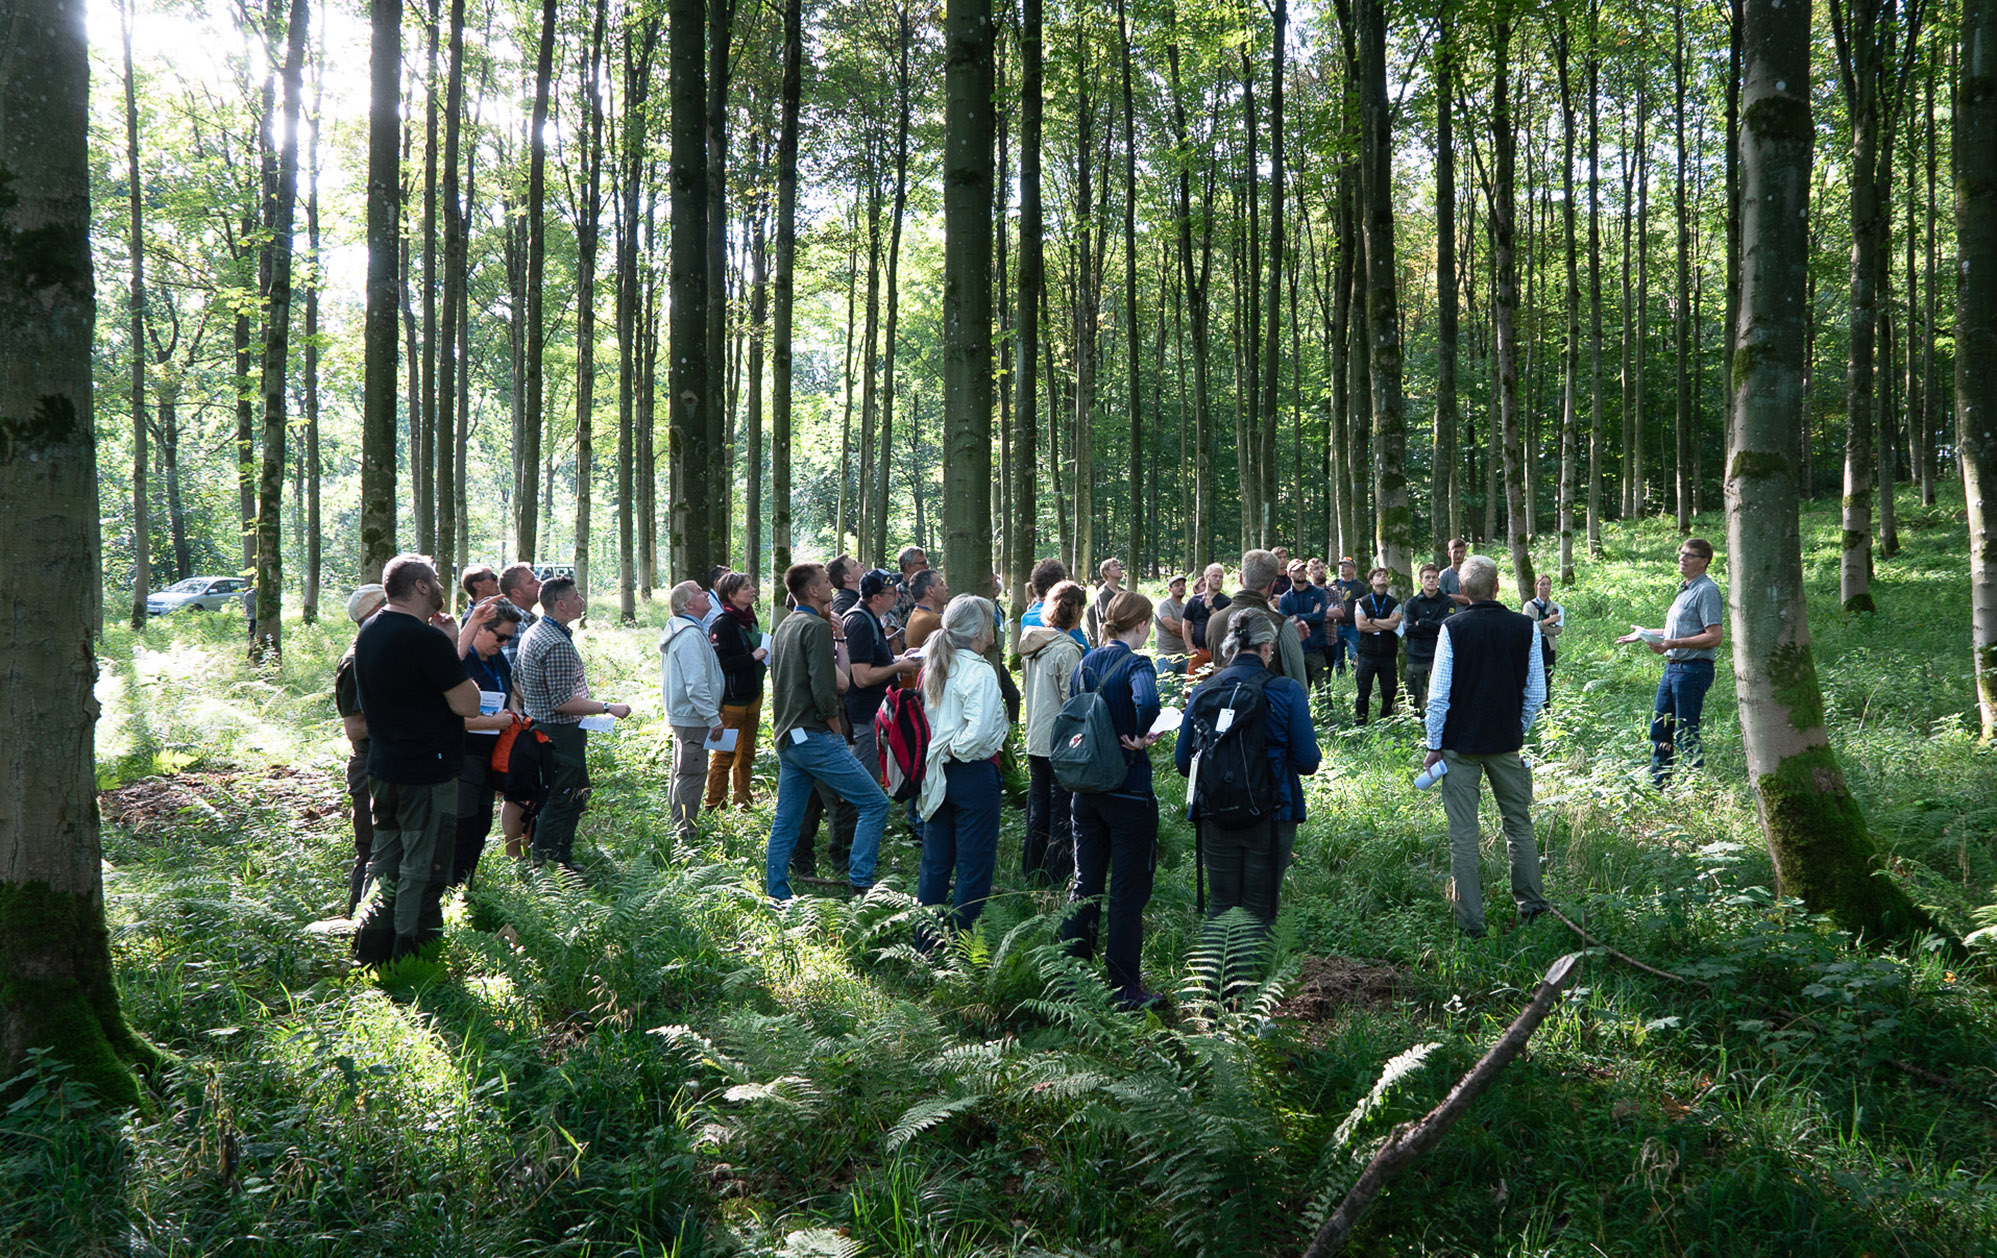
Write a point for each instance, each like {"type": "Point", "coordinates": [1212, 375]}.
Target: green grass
{"type": "Point", "coordinates": [654, 1062]}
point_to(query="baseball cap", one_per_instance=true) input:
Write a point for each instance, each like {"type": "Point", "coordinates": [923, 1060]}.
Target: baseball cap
{"type": "Point", "coordinates": [365, 601]}
{"type": "Point", "coordinates": [876, 581]}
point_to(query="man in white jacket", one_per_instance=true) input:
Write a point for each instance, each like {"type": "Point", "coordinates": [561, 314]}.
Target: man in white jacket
{"type": "Point", "coordinates": [691, 687]}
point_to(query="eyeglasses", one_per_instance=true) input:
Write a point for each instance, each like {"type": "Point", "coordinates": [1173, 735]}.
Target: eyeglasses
{"type": "Point", "coordinates": [497, 636]}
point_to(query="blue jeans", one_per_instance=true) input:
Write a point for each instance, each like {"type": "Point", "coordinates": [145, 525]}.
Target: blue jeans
{"type": "Point", "coordinates": [822, 757]}
{"type": "Point", "coordinates": [963, 834]}
{"type": "Point", "coordinates": [1344, 643]}
{"type": "Point", "coordinates": [1674, 721]}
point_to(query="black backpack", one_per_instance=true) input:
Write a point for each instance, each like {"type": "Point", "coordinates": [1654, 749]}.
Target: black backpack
{"type": "Point", "coordinates": [1235, 786]}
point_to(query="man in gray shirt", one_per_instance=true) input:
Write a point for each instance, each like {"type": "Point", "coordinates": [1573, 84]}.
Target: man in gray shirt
{"type": "Point", "coordinates": [1689, 641]}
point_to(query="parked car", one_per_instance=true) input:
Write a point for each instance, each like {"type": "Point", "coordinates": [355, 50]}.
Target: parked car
{"type": "Point", "coordinates": [201, 594]}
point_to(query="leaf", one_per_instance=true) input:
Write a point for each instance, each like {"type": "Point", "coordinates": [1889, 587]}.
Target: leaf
{"type": "Point", "coordinates": [923, 1115]}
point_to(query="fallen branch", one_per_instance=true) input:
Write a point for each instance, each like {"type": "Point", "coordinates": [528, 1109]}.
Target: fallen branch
{"type": "Point", "coordinates": [1625, 957]}
{"type": "Point", "coordinates": [1411, 1141]}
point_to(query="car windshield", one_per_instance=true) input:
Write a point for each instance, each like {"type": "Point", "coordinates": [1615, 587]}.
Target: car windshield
{"type": "Point", "coordinates": [193, 585]}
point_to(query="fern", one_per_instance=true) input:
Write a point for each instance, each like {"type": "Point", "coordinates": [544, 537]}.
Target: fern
{"type": "Point", "coordinates": [923, 1115]}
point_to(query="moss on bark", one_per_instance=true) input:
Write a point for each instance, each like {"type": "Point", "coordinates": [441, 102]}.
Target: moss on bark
{"type": "Point", "coordinates": [1823, 852]}
{"type": "Point", "coordinates": [57, 990]}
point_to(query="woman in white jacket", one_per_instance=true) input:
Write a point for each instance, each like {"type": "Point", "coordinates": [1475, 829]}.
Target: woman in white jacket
{"type": "Point", "coordinates": [690, 687]}
{"type": "Point", "coordinates": [960, 779]}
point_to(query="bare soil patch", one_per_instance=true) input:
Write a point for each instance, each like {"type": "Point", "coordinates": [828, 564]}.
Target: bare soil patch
{"type": "Point", "coordinates": [155, 805]}
{"type": "Point", "coordinates": [1327, 986]}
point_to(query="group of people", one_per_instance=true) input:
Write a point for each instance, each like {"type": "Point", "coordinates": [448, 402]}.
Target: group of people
{"type": "Point", "coordinates": [428, 700]}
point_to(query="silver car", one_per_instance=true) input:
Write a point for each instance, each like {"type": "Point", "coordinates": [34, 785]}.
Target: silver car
{"type": "Point", "coordinates": [202, 594]}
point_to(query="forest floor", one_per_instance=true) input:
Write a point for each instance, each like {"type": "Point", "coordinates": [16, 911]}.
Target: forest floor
{"type": "Point", "coordinates": [651, 1060]}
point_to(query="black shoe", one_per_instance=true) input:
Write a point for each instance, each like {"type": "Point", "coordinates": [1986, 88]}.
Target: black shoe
{"type": "Point", "coordinates": [1471, 934]}
{"type": "Point", "coordinates": [1528, 916]}
{"type": "Point", "coordinates": [1142, 1002]}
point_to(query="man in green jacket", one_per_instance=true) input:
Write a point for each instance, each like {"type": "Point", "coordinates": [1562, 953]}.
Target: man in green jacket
{"type": "Point", "coordinates": [1259, 570]}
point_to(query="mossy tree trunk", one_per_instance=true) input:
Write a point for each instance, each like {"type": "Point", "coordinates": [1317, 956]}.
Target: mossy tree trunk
{"type": "Point", "coordinates": [378, 542]}
{"type": "Point", "coordinates": [1816, 834]}
{"type": "Point", "coordinates": [1393, 515]}
{"type": "Point", "coordinates": [56, 987]}
{"type": "Point", "coordinates": [1976, 331]}
{"type": "Point", "coordinates": [1504, 246]}
{"type": "Point", "coordinates": [1022, 541]}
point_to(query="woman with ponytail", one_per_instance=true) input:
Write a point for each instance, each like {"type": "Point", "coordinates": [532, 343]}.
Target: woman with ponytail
{"type": "Point", "coordinates": [960, 779]}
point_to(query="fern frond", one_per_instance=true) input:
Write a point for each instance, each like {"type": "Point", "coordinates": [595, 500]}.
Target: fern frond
{"type": "Point", "coordinates": [925, 1114]}
{"type": "Point", "coordinates": [1397, 1068]}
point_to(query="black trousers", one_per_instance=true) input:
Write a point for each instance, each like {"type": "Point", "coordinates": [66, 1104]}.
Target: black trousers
{"type": "Point", "coordinates": [1245, 870]}
{"type": "Point", "coordinates": [1116, 843]}
{"type": "Point", "coordinates": [475, 806]}
{"type": "Point", "coordinates": [362, 807]}
{"type": "Point", "coordinates": [1371, 666]}
{"type": "Point", "coordinates": [1049, 858]}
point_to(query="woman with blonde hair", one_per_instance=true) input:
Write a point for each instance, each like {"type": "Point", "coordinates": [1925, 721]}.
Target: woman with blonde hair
{"type": "Point", "coordinates": [960, 797]}
{"type": "Point", "coordinates": [1116, 832]}
{"type": "Point", "coordinates": [1049, 653]}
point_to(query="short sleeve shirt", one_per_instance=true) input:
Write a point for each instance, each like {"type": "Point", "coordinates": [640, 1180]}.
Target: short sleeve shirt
{"type": "Point", "coordinates": [346, 696]}
{"type": "Point", "coordinates": [1699, 603]}
{"type": "Point", "coordinates": [866, 643]}
{"type": "Point", "coordinates": [402, 669]}
{"type": "Point", "coordinates": [1170, 643]}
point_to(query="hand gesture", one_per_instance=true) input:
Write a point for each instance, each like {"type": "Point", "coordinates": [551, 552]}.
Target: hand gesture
{"type": "Point", "coordinates": [1138, 742]}
{"type": "Point", "coordinates": [618, 710]}
{"type": "Point", "coordinates": [1635, 633]}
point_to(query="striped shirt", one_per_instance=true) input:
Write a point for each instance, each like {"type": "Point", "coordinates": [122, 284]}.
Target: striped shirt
{"type": "Point", "coordinates": [549, 672]}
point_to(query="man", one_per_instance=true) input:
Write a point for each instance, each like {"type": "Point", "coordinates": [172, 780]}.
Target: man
{"type": "Point", "coordinates": [1200, 609]}
{"type": "Point", "coordinates": [1258, 577]}
{"type": "Point", "coordinates": [1047, 574]}
{"type": "Point", "coordinates": [713, 611]}
{"type": "Point", "coordinates": [1451, 578]}
{"type": "Point", "coordinates": [911, 561]}
{"type": "Point", "coordinates": [1170, 619]}
{"type": "Point", "coordinates": [361, 604]}
{"type": "Point", "coordinates": [1307, 606]}
{"type": "Point", "coordinates": [1689, 641]}
{"type": "Point", "coordinates": [1320, 576]}
{"type": "Point", "coordinates": [415, 697]}
{"type": "Point", "coordinates": [845, 575]}
{"type": "Point", "coordinates": [1345, 590]}
{"type": "Point", "coordinates": [1375, 618]}
{"type": "Point", "coordinates": [479, 582]}
{"type": "Point", "coordinates": [1283, 582]}
{"type": "Point", "coordinates": [932, 594]}
{"type": "Point", "coordinates": [521, 588]}
{"type": "Point", "coordinates": [873, 662]}
{"type": "Point", "coordinates": [555, 693]}
{"type": "Point", "coordinates": [1111, 572]}
{"type": "Point", "coordinates": [690, 686]}
{"type": "Point", "coordinates": [1488, 687]}
{"type": "Point", "coordinates": [805, 716]}
{"type": "Point", "coordinates": [1423, 615]}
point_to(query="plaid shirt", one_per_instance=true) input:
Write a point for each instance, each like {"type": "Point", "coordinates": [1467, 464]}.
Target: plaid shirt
{"type": "Point", "coordinates": [549, 672]}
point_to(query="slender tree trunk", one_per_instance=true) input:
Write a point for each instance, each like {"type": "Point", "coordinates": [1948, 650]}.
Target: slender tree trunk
{"type": "Point", "coordinates": [269, 642]}
{"type": "Point", "coordinates": [1394, 519]}
{"type": "Point", "coordinates": [527, 459]}
{"type": "Point", "coordinates": [870, 369]}
{"type": "Point", "coordinates": [1133, 403]}
{"type": "Point", "coordinates": [1931, 382]}
{"type": "Point", "coordinates": [1570, 360]}
{"type": "Point", "coordinates": [843, 516]}
{"type": "Point", "coordinates": [1638, 455]}
{"type": "Point", "coordinates": [1272, 352]}
{"type": "Point", "coordinates": [1975, 149]}
{"type": "Point", "coordinates": [780, 358]}
{"type": "Point", "coordinates": [720, 16]}
{"type": "Point", "coordinates": [1195, 278]}
{"type": "Point", "coordinates": [905, 94]}
{"type": "Point", "coordinates": [1442, 477]}
{"type": "Point", "coordinates": [378, 541]}
{"type": "Point", "coordinates": [141, 524]}
{"type": "Point", "coordinates": [641, 36]}
{"type": "Point", "coordinates": [309, 601]}
{"type": "Point", "coordinates": [1503, 237]}
{"type": "Point", "coordinates": [1594, 282]}
{"type": "Point", "coordinates": [1086, 308]}
{"type": "Point", "coordinates": [589, 219]}
{"type": "Point", "coordinates": [434, 485]}
{"type": "Point", "coordinates": [1022, 540]}
{"type": "Point", "coordinates": [1687, 489]}
{"type": "Point", "coordinates": [692, 447]}
{"type": "Point", "coordinates": [1816, 834]}
{"type": "Point", "coordinates": [967, 295]}
{"type": "Point", "coordinates": [759, 311]}
{"type": "Point", "coordinates": [57, 988]}
{"type": "Point", "coordinates": [444, 356]}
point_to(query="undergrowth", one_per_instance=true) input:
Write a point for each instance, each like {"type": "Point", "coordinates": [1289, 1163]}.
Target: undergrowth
{"type": "Point", "coordinates": [645, 1058]}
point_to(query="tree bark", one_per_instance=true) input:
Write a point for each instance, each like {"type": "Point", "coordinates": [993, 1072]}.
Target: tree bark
{"type": "Point", "coordinates": [785, 283]}
{"type": "Point", "coordinates": [1272, 351]}
{"type": "Point", "coordinates": [1816, 834]}
{"type": "Point", "coordinates": [589, 217]}
{"type": "Point", "coordinates": [1503, 241]}
{"type": "Point", "coordinates": [1975, 148]}
{"type": "Point", "coordinates": [1393, 519]}
{"type": "Point", "coordinates": [1442, 476]}
{"type": "Point", "coordinates": [141, 526]}
{"type": "Point", "coordinates": [692, 446]}
{"type": "Point", "coordinates": [527, 459]}
{"type": "Point", "coordinates": [1195, 279]}
{"type": "Point", "coordinates": [57, 990]}
{"type": "Point", "coordinates": [1133, 403]}
{"type": "Point", "coordinates": [641, 37]}
{"type": "Point", "coordinates": [269, 643]}
{"type": "Point", "coordinates": [721, 483]}
{"type": "Point", "coordinates": [1594, 282]}
{"type": "Point", "coordinates": [378, 541]}
{"type": "Point", "coordinates": [445, 354]}
{"type": "Point", "coordinates": [1682, 307]}
{"type": "Point", "coordinates": [905, 95]}
{"type": "Point", "coordinates": [1570, 359]}
{"type": "Point", "coordinates": [1022, 540]}
{"type": "Point", "coordinates": [967, 295]}
{"type": "Point", "coordinates": [314, 535]}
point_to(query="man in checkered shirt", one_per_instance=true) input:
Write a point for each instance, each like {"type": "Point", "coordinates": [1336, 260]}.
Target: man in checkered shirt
{"type": "Point", "coordinates": [555, 693]}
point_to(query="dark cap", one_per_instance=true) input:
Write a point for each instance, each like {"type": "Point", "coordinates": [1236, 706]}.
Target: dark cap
{"type": "Point", "coordinates": [876, 581]}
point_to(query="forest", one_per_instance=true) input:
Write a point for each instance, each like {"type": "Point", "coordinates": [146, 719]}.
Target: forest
{"type": "Point", "coordinates": [631, 289]}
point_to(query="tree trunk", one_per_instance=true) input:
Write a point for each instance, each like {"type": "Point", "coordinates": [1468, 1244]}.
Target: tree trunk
{"type": "Point", "coordinates": [1195, 278]}
{"type": "Point", "coordinates": [1594, 282]}
{"type": "Point", "coordinates": [1022, 535]}
{"type": "Point", "coordinates": [691, 443]}
{"type": "Point", "coordinates": [967, 295]}
{"type": "Point", "coordinates": [759, 310]}
{"type": "Point", "coordinates": [870, 369]}
{"type": "Point", "coordinates": [1394, 520]}
{"type": "Point", "coordinates": [1931, 383]}
{"type": "Point", "coordinates": [1086, 308]}
{"type": "Point", "coordinates": [57, 989]}
{"type": "Point", "coordinates": [780, 357]}
{"type": "Point", "coordinates": [314, 564]}
{"type": "Point", "coordinates": [527, 459]}
{"type": "Point", "coordinates": [1442, 476]}
{"type": "Point", "coordinates": [905, 94]}
{"type": "Point", "coordinates": [1816, 834]}
{"type": "Point", "coordinates": [640, 41]}
{"type": "Point", "coordinates": [1272, 351]}
{"type": "Point", "coordinates": [589, 217]}
{"type": "Point", "coordinates": [445, 355]}
{"type": "Point", "coordinates": [1681, 308]}
{"type": "Point", "coordinates": [721, 483]}
{"type": "Point", "coordinates": [378, 541]}
{"type": "Point", "coordinates": [141, 526]}
{"type": "Point", "coordinates": [269, 643]}
{"type": "Point", "coordinates": [1503, 238]}
{"type": "Point", "coordinates": [1570, 360]}
{"type": "Point", "coordinates": [1637, 455]}
{"type": "Point", "coordinates": [435, 482]}
{"type": "Point", "coordinates": [1134, 554]}
{"type": "Point", "coordinates": [1975, 149]}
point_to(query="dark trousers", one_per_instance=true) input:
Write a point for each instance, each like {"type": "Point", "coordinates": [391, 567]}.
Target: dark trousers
{"type": "Point", "coordinates": [1116, 843]}
{"type": "Point", "coordinates": [411, 864]}
{"type": "Point", "coordinates": [1674, 721]}
{"type": "Point", "coordinates": [1344, 642]}
{"type": "Point", "coordinates": [363, 813]}
{"type": "Point", "coordinates": [555, 831]}
{"type": "Point", "coordinates": [1049, 858]}
{"type": "Point", "coordinates": [1245, 870]}
{"type": "Point", "coordinates": [1369, 667]}
{"type": "Point", "coordinates": [962, 836]}
{"type": "Point", "coordinates": [1313, 665]}
{"type": "Point", "coordinates": [474, 813]}
{"type": "Point", "coordinates": [1417, 682]}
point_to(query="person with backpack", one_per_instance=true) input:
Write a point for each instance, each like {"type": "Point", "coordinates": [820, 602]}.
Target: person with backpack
{"type": "Point", "coordinates": [1049, 653]}
{"type": "Point", "coordinates": [1115, 812]}
{"type": "Point", "coordinates": [1250, 731]}
{"type": "Point", "coordinates": [959, 802]}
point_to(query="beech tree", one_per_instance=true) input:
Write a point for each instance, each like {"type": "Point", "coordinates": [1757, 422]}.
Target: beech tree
{"type": "Point", "coordinates": [384, 185]}
{"type": "Point", "coordinates": [1976, 331]}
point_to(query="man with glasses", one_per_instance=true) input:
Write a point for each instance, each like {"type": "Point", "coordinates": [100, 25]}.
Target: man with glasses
{"type": "Point", "coordinates": [1689, 642]}
{"type": "Point", "coordinates": [555, 693]}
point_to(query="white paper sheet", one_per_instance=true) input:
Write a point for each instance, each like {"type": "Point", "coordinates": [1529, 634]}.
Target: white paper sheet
{"type": "Point", "coordinates": [601, 721]}
{"type": "Point", "coordinates": [724, 743]}
{"type": "Point", "coordinates": [1168, 720]}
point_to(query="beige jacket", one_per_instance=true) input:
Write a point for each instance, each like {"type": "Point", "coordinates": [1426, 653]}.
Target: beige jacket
{"type": "Point", "coordinates": [1049, 656]}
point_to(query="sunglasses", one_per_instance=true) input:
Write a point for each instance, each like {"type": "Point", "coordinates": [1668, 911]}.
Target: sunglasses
{"type": "Point", "coordinates": [500, 637]}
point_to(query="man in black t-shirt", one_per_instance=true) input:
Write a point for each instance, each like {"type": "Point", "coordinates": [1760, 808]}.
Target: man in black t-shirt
{"type": "Point", "coordinates": [415, 695]}
{"type": "Point", "coordinates": [1377, 621]}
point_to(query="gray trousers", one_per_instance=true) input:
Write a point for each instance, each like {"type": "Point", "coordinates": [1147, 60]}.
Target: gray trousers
{"type": "Point", "coordinates": [411, 863]}
{"type": "Point", "coordinates": [689, 778]}
{"type": "Point", "coordinates": [1511, 788]}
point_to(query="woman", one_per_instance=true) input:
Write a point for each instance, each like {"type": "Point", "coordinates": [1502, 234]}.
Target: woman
{"type": "Point", "coordinates": [738, 645]}
{"type": "Point", "coordinates": [1049, 652]}
{"type": "Point", "coordinates": [1116, 832]}
{"type": "Point", "coordinates": [1245, 866]}
{"type": "Point", "coordinates": [488, 628]}
{"type": "Point", "coordinates": [960, 795]}
{"type": "Point", "coordinates": [1551, 618]}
